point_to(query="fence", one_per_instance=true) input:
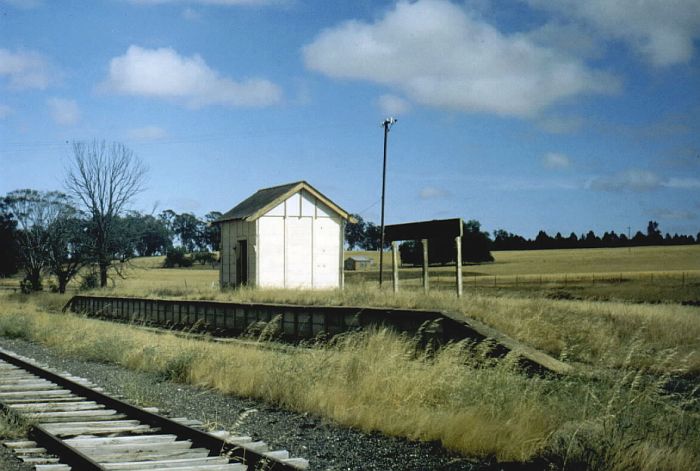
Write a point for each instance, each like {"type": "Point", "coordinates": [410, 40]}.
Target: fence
{"type": "Point", "coordinates": [443, 278]}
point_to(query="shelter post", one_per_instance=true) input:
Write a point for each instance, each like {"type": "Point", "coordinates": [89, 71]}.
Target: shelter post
{"type": "Point", "coordinates": [458, 263]}
{"type": "Point", "coordinates": [395, 264]}
{"type": "Point", "coordinates": [424, 242]}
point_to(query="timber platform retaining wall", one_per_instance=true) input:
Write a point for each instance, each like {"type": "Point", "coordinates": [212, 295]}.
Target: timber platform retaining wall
{"type": "Point", "coordinates": [292, 322]}
{"type": "Point", "coordinates": [295, 322]}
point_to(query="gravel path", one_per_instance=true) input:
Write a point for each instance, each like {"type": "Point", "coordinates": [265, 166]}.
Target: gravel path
{"type": "Point", "coordinates": [325, 445]}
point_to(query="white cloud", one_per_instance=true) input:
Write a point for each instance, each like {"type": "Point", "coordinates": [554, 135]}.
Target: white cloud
{"type": "Point", "coordinates": [662, 31]}
{"type": "Point", "coordinates": [147, 133]}
{"type": "Point", "coordinates": [436, 54]}
{"type": "Point", "coordinates": [5, 111]}
{"type": "Point", "coordinates": [24, 70]}
{"type": "Point", "coordinates": [163, 73]}
{"type": "Point", "coordinates": [393, 105]}
{"type": "Point", "coordinates": [64, 112]}
{"type": "Point", "coordinates": [554, 160]}
{"type": "Point", "coordinates": [431, 192]}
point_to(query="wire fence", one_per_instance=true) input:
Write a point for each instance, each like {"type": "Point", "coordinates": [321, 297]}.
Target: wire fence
{"type": "Point", "coordinates": [446, 279]}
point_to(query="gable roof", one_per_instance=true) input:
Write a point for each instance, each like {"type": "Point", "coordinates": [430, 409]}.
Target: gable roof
{"type": "Point", "coordinates": [264, 200]}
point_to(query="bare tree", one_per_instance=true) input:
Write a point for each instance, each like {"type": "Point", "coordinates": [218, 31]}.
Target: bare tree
{"type": "Point", "coordinates": [104, 178]}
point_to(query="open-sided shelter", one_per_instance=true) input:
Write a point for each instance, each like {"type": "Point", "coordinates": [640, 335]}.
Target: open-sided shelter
{"type": "Point", "coordinates": [287, 236]}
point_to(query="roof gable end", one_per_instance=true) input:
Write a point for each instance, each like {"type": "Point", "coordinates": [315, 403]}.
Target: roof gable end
{"type": "Point", "coordinates": [266, 199]}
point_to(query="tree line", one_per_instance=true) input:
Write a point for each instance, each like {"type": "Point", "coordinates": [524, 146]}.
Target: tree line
{"type": "Point", "coordinates": [88, 229]}
{"type": "Point", "coordinates": [504, 240]}
{"type": "Point", "coordinates": [477, 244]}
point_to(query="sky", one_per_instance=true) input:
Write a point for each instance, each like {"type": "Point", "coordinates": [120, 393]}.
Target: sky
{"type": "Point", "coordinates": [526, 115]}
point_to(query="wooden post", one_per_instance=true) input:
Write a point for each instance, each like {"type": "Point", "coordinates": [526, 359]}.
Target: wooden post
{"type": "Point", "coordinates": [424, 242]}
{"type": "Point", "coordinates": [395, 264]}
{"type": "Point", "coordinates": [458, 244]}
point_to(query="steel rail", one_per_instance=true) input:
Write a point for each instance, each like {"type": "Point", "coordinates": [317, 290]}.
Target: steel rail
{"type": "Point", "coordinates": [217, 446]}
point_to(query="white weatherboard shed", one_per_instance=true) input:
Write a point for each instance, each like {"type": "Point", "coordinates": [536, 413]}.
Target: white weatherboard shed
{"type": "Point", "coordinates": [287, 236]}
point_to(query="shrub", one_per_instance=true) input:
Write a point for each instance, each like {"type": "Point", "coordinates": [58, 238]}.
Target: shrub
{"type": "Point", "coordinates": [89, 281]}
{"type": "Point", "coordinates": [177, 257]}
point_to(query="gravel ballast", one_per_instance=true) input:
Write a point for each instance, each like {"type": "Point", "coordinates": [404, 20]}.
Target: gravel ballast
{"type": "Point", "coordinates": [325, 445]}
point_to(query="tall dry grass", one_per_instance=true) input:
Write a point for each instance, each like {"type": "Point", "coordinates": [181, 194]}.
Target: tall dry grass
{"type": "Point", "coordinates": [598, 419]}
{"type": "Point", "coordinates": [592, 332]}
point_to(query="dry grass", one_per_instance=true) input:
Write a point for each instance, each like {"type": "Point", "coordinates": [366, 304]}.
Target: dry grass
{"type": "Point", "coordinates": [592, 332]}
{"type": "Point", "coordinates": [609, 260]}
{"type": "Point", "coordinates": [376, 381]}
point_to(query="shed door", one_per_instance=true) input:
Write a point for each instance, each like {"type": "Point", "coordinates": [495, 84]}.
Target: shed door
{"type": "Point", "coordinates": [242, 262]}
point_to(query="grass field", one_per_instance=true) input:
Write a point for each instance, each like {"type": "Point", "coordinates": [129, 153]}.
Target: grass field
{"type": "Point", "coordinates": [631, 403]}
{"type": "Point", "coordinates": [612, 260]}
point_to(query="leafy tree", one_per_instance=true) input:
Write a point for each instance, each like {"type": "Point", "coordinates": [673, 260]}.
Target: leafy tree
{"type": "Point", "coordinates": [212, 232]}
{"type": "Point", "coordinates": [476, 243]}
{"type": "Point", "coordinates": [36, 214]}
{"type": "Point", "coordinates": [355, 234]}
{"type": "Point", "coordinates": [543, 240]}
{"type": "Point", "coordinates": [168, 218]}
{"type": "Point", "coordinates": [189, 230]}
{"type": "Point", "coordinates": [104, 179]}
{"type": "Point", "coordinates": [373, 237]}
{"type": "Point", "coordinates": [144, 235]}
{"type": "Point", "coordinates": [504, 240]}
{"type": "Point", "coordinates": [654, 236]}
{"type": "Point", "coordinates": [177, 257]}
{"type": "Point", "coordinates": [572, 241]}
{"type": "Point", "coordinates": [9, 251]}
{"type": "Point", "coordinates": [591, 240]}
{"type": "Point", "coordinates": [68, 247]}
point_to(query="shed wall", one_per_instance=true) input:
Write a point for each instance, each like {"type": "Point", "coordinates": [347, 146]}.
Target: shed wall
{"type": "Point", "coordinates": [231, 233]}
{"type": "Point", "coordinates": [297, 244]}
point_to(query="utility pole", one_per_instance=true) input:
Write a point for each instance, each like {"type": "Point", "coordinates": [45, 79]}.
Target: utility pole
{"type": "Point", "coordinates": [387, 126]}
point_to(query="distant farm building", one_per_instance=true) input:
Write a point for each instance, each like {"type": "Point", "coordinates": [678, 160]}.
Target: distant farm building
{"type": "Point", "coordinates": [287, 236]}
{"type": "Point", "coordinates": [358, 263]}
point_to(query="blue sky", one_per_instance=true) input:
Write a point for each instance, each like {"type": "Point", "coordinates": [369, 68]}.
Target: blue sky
{"type": "Point", "coordinates": [532, 114]}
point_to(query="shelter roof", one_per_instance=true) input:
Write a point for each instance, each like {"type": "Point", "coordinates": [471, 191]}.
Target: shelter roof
{"type": "Point", "coordinates": [265, 199]}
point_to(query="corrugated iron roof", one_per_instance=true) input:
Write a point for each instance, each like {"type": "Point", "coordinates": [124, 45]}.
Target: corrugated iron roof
{"type": "Point", "coordinates": [265, 199]}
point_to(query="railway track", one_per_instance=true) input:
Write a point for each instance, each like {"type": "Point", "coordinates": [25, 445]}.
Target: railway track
{"type": "Point", "coordinates": [76, 426]}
